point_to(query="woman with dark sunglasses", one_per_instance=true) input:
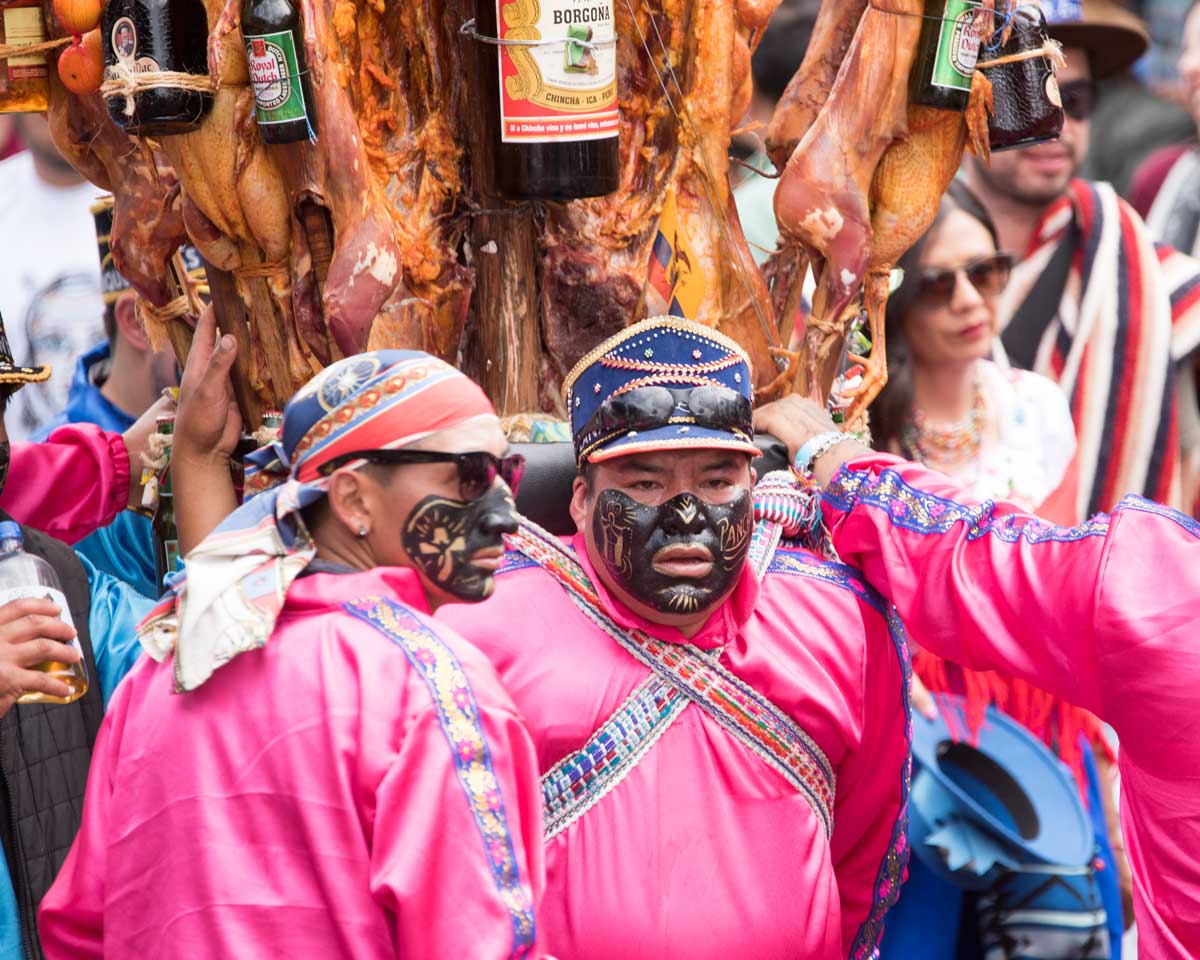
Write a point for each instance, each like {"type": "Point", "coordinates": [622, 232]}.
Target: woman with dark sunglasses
{"type": "Point", "coordinates": [1005, 433]}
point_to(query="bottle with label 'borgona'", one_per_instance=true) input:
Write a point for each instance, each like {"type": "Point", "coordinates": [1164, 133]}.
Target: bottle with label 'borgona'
{"type": "Point", "coordinates": [283, 100]}
{"type": "Point", "coordinates": [156, 36]}
{"type": "Point", "coordinates": [552, 97]}
{"type": "Point", "coordinates": [946, 55]}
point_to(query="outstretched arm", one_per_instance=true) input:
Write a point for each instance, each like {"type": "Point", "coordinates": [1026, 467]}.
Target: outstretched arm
{"type": "Point", "coordinates": [1102, 615]}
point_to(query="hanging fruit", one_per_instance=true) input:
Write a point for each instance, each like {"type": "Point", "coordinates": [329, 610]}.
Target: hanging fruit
{"type": "Point", "coordinates": [78, 16]}
{"type": "Point", "coordinates": [81, 65]}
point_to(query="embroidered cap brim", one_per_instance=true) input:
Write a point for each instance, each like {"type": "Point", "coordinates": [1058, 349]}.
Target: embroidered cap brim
{"type": "Point", "coordinates": [12, 375]}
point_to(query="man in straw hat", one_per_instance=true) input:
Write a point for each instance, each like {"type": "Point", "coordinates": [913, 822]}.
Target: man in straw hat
{"type": "Point", "coordinates": [1102, 615]}
{"type": "Point", "coordinates": [45, 749]}
{"type": "Point", "coordinates": [720, 719]}
{"type": "Point", "coordinates": [308, 765]}
{"type": "Point", "coordinates": [1093, 303]}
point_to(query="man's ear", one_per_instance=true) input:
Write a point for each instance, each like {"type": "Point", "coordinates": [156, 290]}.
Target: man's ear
{"type": "Point", "coordinates": [129, 324]}
{"type": "Point", "coordinates": [349, 498]}
{"type": "Point", "coordinates": [579, 498]}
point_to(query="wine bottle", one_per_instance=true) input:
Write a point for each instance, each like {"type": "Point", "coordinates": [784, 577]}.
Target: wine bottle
{"type": "Point", "coordinates": [283, 100]}
{"type": "Point", "coordinates": [156, 36]}
{"type": "Point", "coordinates": [946, 55]}
{"type": "Point", "coordinates": [551, 98]}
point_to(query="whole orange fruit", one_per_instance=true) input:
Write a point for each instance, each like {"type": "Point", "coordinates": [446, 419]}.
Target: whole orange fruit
{"type": "Point", "coordinates": [81, 65]}
{"type": "Point", "coordinates": [78, 16]}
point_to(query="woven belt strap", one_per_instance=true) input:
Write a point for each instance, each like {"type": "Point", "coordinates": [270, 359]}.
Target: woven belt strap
{"type": "Point", "coordinates": [582, 778]}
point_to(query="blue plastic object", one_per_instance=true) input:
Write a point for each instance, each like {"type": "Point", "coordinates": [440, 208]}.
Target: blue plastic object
{"type": "Point", "coordinates": [980, 810]}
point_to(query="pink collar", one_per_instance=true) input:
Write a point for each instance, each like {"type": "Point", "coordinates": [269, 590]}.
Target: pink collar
{"type": "Point", "coordinates": [721, 628]}
{"type": "Point", "coordinates": [321, 591]}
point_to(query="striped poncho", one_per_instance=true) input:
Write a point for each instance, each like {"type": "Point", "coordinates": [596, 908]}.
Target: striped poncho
{"type": "Point", "coordinates": [1129, 315]}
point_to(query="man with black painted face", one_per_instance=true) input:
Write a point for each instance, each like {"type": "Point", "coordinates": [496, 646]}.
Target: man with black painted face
{"type": "Point", "coordinates": [315, 768]}
{"type": "Point", "coordinates": [719, 718]}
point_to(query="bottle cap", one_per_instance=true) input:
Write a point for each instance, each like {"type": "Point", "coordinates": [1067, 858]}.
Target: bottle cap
{"type": "Point", "coordinates": [10, 531]}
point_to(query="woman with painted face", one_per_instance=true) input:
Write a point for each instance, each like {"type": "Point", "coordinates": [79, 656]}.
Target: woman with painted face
{"type": "Point", "coordinates": [299, 694]}
{"type": "Point", "coordinates": [721, 719]}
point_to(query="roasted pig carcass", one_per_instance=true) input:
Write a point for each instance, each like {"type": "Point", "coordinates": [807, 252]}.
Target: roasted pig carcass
{"type": "Point", "coordinates": [147, 218]}
{"type": "Point", "coordinates": [863, 182]}
{"type": "Point", "coordinates": [683, 71]}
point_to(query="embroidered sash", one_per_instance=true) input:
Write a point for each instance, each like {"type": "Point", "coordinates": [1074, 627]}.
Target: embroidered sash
{"type": "Point", "coordinates": [750, 717]}
{"type": "Point", "coordinates": [577, 782]}
{"type": "Point", "coordinates": [458, 716]}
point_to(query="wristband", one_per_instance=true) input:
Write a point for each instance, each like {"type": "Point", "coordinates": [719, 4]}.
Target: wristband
{"type": "Point", "coordinates": [815, 447]}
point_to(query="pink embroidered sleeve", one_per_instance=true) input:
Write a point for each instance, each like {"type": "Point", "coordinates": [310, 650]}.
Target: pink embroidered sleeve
{"type": "Point", "coordinates": [1103, 615]}
{"type": "Point", "coordinates": [70, 485]}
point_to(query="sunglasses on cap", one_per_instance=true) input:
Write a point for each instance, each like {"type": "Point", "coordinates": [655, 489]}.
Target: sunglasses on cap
{"type": "Point", "coordinates": [718, 408]}
{"type": "Point", "coordinates": [989, 275]}
{"type": "Point", "coordinates": [477, 470]}
{"type": "Point", "coordinates": [1078, 98]}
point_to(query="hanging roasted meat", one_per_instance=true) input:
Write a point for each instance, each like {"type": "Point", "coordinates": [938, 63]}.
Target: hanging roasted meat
{"type": "Point", "coordinates": [683, 73]}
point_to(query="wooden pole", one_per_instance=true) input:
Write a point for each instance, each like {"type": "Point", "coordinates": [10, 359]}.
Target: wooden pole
{"type": "Point", "coordinates": [503, 239]}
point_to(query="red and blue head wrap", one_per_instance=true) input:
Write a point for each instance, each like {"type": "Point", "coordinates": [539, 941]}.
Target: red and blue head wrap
{"type": "Point", "coordinates": [238, 578]}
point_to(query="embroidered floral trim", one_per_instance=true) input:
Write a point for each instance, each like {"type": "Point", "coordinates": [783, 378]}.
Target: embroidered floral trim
{"type": "Point", "coordinates": [920, 512]}
{"type": "Point", "coordinates": [1142, 505]}
{"type": "Point", "coordinates": [458, 715]}
{"type": "Point", "coordinates": [577, 782]}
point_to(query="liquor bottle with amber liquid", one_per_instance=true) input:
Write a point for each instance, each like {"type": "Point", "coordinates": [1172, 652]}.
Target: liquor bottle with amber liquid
{"type": "Point", "coordinates": [946, 55]}
{"type": "Point", "coordinates": [166, 536]}
{"type": "Point", "coordinates": [156, 36]}
{"type": "Point", "coordinates": [552, 106]}
{"type": "Point", "coordinates": [24, 80]}
{"type": "Point", "coordinates": [25, 576]}
{"type": "Point", "coordinates": [283, 100]}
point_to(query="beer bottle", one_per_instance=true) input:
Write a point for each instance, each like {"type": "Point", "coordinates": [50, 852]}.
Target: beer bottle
{"type": "Point", "coordinates": [551, 106]}
{"type": "Point", "coordinates": [946, 55]}
{"type": "Point", "coordinates": [25, 576]}
{"type": "Point", "coordinates": [283, 100]}
{"type": "Point", "coordinates": [24, 83]}
{"type": "Point", "coordinates": [166, 537]}
{"type": "Point", "coordinates": [156, 36]}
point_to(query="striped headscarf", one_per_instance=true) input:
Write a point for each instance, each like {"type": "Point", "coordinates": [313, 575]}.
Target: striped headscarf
{"type": "Point", "coordinates": [237, 579]}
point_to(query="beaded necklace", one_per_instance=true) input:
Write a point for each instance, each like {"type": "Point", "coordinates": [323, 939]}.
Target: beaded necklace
{"type": "Point", "coordinates": [951, 443]}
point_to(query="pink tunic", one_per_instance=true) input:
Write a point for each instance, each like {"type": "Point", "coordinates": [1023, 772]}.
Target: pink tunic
{"type": "Point", "coordinates": [313, 799]}
{"type": "Point", "coordinates": [703, 851]}
{"type": "Point", "coordinates": [1105, 615]}
{"type": "Point", "coordinates": [70, 485]}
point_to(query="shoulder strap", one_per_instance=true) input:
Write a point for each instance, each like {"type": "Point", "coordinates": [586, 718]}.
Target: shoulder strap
{"type": "Point", "coordinates": [1023, 335]}
{"type": "Point", "coordinates": [750, 717]}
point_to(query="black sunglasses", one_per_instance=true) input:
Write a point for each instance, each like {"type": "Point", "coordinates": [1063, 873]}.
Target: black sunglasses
{"type": "Point", "coordinates": [989, 275]}
{"type": "Point", "coordinates": [1078, 98]}
{"type": "Point", "coordinates": [477, 470]}
{"type": "Point", "coordinates": [718, 408]}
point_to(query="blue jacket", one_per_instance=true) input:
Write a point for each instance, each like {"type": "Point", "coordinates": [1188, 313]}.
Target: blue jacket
{"type": "Point", "coordinates": [125, 548]}
{"type": "Point", "coordinates": [113, 617]}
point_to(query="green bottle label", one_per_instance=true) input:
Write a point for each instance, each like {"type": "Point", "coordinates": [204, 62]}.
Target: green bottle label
{"type": "Point", "coordinates": [275, 76]}
{"type": "Point", "coordinates": [958, 46]}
